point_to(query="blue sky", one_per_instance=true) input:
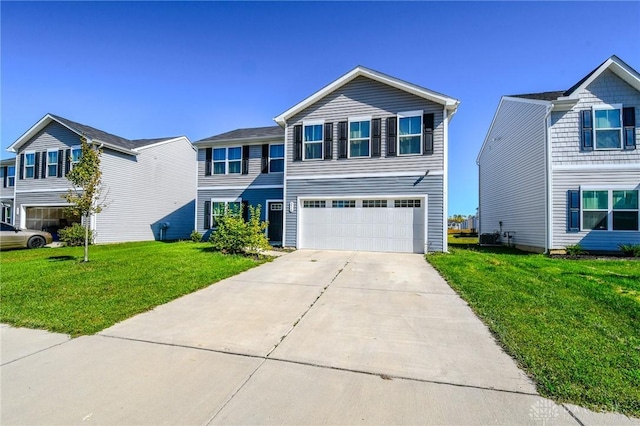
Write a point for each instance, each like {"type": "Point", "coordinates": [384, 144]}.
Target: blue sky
{"type": "Point", "coordinates": [146, 69]}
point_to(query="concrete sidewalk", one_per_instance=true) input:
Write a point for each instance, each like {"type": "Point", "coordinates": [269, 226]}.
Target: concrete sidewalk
{"type": "Point", "coordinates": [314, 337]}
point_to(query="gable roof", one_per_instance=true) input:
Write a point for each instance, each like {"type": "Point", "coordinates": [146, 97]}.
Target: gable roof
{"type": "Point", "coordinates": [450, 103]}
{"type": "Point", "coordinates": [92, 134]}
{"type": "Point", "coordinates": [253, 133]}
{"type": "Point", "coordinates": [615, 65]}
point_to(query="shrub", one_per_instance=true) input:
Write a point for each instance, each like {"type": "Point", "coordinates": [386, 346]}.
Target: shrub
{"type": "Point", "coordinates": [630, 250]}
{"type": "Point", "coordinates": [235, 236]}
{"type": "Point", "coordinates": [575, 250]}
{"type": "Point", "coordinates": [195, 236]}
{"type": "Point", "coordinates": [74, 235]}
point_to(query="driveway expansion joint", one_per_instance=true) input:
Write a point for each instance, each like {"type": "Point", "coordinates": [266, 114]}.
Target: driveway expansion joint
{"type": "Point", "coordinates": [34, 353]}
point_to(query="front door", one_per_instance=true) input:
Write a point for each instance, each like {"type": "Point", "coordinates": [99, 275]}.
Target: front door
{"type": "Point", "coordinates": [274, 232]}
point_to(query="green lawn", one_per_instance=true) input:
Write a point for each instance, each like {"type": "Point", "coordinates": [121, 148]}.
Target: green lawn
{"type": "Point", "coordinates": [51, 289]}
{"type": "Point", "coordinates": [572, 325]}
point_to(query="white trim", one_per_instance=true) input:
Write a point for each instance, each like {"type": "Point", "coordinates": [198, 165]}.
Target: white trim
{"type": "Point", "coordinates": [416, 173]}
{"type": "Point", "coordinates": [306, 123]}
{"type": "Point", "coordinates": [213, 188]}
{"type": "Point", "coordinates": [266, 215]}
{"type": "Point", "coordinates": [610, 209]}
{"type": "Point", "coordinates": [71, 162]}
{"type": "Point", "coordinates": [410, 114]}
{"type": "Point", "coordinates": [594, 129]}
{"type": "Point", "coordinates": [618, 67]}
{"type": "Point", "coordinates": [548, 181]}
{"type": "Point", "coordinates": [226, 160]}
{"type": "Point", "coordinates": [284, 191]}
{"type": "Point", "coordinates": [587, 167]}
{"type": "Point", "coordinates": [226, 201]}
{"type": "Point", "coordinates": [42, 190]}
{"type": "Point", "coordinates": [449, 103]}
{"type": "Point", "coordinates": [284, 149]}
{"type": "Point", "coordinates": [445, 185]}
{"type": "Point", "coordinates": [24, 165]}
{"type": "Point", "coordinates": [363, 197]}
{"type": "Point", "coordinates": [357, 120]}
{"type": "Point", "coordinates": [45, 162]}
{"type": "Point", "coordinates": [23, 211]}
{"type": "Point", "coordinates": [166, 141]}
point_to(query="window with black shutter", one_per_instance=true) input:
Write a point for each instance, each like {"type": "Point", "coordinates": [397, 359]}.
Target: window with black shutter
{"type": "Point", "coordinates": [297, 142]}
{"type": "Point", "coordinates": [245, 159]}
{"type": "Point", "coordinates": [342, 139]}
{"type": "Point", "coordinates": [207, 215]}
{"type": "Point", "coordinates": [60, 159]}
{"type": "Point", "coordinates": [245, 210]}
{"type": "Point", "coordinates": [67, 161]}
{"type": "Point", "coordinates": [208, 154]}
{"type": "Point", "coordinates": [43, 165]}
{"type": "Point", "coordinates": [629, 127]}
{"type": "Point", "coordinates": [328, 141]}
{"type": "Point", "coordinates": [427, 137]}
{"type": "Point", "coordinates": [21, 173]}
{"type": "Point", "coordinates": [5, 171]}
{"type": "Point", "coordinates": [573, 210]}
{"type": "Point", "coordinates": [376, 137]}
{"type": "Point", "coordinates": [586, 138]}
{"type": "Point", "coordinates": [264, 162]}
{"type": "Point", "coordinates": [36, 168]}
{"type": "Point", "coordinates": [392, 133]}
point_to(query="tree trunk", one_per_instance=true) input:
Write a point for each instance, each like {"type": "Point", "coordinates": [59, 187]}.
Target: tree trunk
{"type": "Point", "coordinates": [86, 238]}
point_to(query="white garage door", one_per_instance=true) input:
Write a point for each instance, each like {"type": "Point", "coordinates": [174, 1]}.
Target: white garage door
{"type": "Point", "coordinates": [371, 224]}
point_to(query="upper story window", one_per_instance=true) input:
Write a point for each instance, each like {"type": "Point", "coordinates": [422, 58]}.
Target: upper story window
{"type": "Point", "coordinates": [29, 164]}
{"type": "Point", "coordinates": [11, 176]}
{"type": "Point", "coordinates": [227, 159]}
{"type": "Point", "coordinates": [360, 137]}
{"type": "Point", "coordinates": [52, 163]}
{"type": "Point", "coordinates": [276, 158]}
{"type": "Point", "coordinates": [312, 140]}
{"type": "Point", "coordinates": [607, 127]}
{"type": "Point", "coordinates": [410, 133]}
{"type": "Point", "coordinates": [76, 153]}
{"type": "Point", "coordinates": [607, 209]}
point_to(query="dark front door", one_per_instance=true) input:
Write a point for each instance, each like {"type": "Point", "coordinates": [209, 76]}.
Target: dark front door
{"type": "Point", "coordinates": [275, 222]}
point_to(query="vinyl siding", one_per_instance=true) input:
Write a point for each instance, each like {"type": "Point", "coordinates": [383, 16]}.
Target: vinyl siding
{"type": "Point", "coordinates": [565, 126]}
{"type": "Point", "coordinates": [365, 97]}
{"type": "Point", "coordinates": [253, 196]}
{"type": "Point", "coordinates": [53, 136]}
{"type": "Point", "coordinates": [565, 180]}
{"type": "Point", "coordinates": [387, 186]}
{"type": "Point", "coordinates": [512, 173]}
{"type": "Point", "coordinates": [7, 192]}
{"type": "Point", "coordinates": [158, 185]}
{"type": "Point", "coordinates": [254, 177]}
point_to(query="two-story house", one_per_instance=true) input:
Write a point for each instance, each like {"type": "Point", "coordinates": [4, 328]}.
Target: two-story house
{"type": "Point", "coordinates": [561, 168]}
{"type": "Point", "coordinates": [8, 177]}
{"type": "Point", "coordinates": [148, 184]}
{"type": "Point", "coordinates": [361, 165]}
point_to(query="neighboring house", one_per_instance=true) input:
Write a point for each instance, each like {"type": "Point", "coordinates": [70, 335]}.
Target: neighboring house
{"type": "Point", "coordinates": [8, 177]}
{"type": "Point", "coordinates": [361, 165]}
{"type": "Point", "coordinates": [244, 166]}
{"type": "Point", "coordinates": [148, 184]}
{"type": "Point", "coordinates": [470, 223]}
{"type": "Point", "coordinates": [562, 168]}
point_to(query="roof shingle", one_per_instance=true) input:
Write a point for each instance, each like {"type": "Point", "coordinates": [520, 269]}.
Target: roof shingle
{"type": "Point", "coordinates": [248, 133]}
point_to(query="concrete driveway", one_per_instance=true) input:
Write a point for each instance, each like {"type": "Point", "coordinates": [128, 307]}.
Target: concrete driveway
{"type": "Point", "coordinates": [314, 337]}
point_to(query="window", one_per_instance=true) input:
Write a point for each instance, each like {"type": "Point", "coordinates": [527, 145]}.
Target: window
{"type": "Point", "coordinates": [227, 160]}
{"type": "Point", "coordinates": [607, 126]}
{"type": "Point", "coordinates": [615, 210]}
{"type": "Point", "coordinates": [407, 203]}
{"type": "Point", "coordinates": [359, 137]}
{"type": "Point", "coordinates": [76, 153]}
{"type": "Point", "coordinates": [314, 204]}
{"type": "Point", "coordinates": [276, 158]}
{"type": "Point", "coordinates": [52, 163]}
{"type": "Point", "coordinates": [374, 203]}
{"type": "Point", "coordinates": [11, 176]}
{"type": "Point", "coordinates": [312, 141]}
{"type": "Point", "coordinates": [410, 133]}
{"type": "Point", "coordinates": [341, 204]}
{"type": "Point", "coordinates": [29, 164]}
{"type": "Point", "coordinates": [219, 207]}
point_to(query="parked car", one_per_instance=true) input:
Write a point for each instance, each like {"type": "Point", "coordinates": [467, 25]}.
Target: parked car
{"type": "Point", "coordinates": [12, 237]}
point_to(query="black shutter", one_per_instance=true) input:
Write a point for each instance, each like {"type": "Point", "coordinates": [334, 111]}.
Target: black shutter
{"type": "Point", "coordinates": [573, 210]}
{"type": "Point", "coordinates": [328, 141]}
{"type": "Point", "coordinates": [245, 159]}
{"type": "Point", "coordinates": [391, 136]}
{"type": "Point", "coordinates": [245, 210]}
{"type": "Point", "coordinates": [67, 162]}
{"type": "Point", "coordinates": [207, 161]}
{"type": "Point", "coordinates": [343, 128]}
{"type": "Point", "coordinates": [44, 167]}
{"type": "Point", "coordinates": [60, 157]}
{"type": "Point", "coordinates": [629, 123]}
{"type": "Point", "coordinates": [586, 138]}
{"type": "Point", "coordinates": [297, 142]}
{"type": "Point", "coordinates": [376, 137]}
{"type": "Point", "coordinates": [5, 170]}
{"type": "Point", "coordinates": [427, 136]}
{"type": "Point", "coordinates": [21, 173]}
{"type": "Point", "coordinates": [207, 215]}
{"type": "Point", "coordinates": [36, 167]}
{"type": "Point", "coordinates": [265, 158]}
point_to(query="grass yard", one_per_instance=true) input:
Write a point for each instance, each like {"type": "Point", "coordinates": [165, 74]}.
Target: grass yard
{"type": "Point", "coordinates": [51, 289]}
{"type": "Point", "coordinates": [572, 325]}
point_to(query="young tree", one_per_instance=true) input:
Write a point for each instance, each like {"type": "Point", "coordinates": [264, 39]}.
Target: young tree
{"type": "Point", "coordinates": [86, 195]}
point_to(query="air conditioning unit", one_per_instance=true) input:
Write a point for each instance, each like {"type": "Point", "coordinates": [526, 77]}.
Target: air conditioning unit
{"type": "Point", "coordinates": [490, 239]}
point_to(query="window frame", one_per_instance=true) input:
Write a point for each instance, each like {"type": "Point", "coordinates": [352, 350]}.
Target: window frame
{"type": "Point", "coordinates": [55, 163]}
{"type": "Point", "coordinates": [409, 114]}
{"type": "Point", "coordinates": [31, 166]}
{"type": "Point", "coordinates": [595, 129]}
{"type": "Point", "coordinates": [11, 178]}
{"type": "Point", "coordinates": [238, 160]}
{"type": "Point", "coordinates": [226, 202]}
{"type": "Point", "coordinates": [312, 123]}
{"type": "Point", "coordinates": [226, 161]}
{"type": "Point", "coordinates": [276, 158]}
{"type": "Point", "coordinates": [314, 204]}
{"type": "Point", "coordinates": [343, 204]}
{"type": "Point", "coordinates": [72, 163]}
{"type": "Point", "coordinates": [610, 207]}
{"type": "Point", "coordinates": [349, 139]}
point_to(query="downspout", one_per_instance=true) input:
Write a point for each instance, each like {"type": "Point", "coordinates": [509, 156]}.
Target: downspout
{"type": "Point", "coordinates": [445, 180]}
{"type": "Point", "coordinates": [548, 221]}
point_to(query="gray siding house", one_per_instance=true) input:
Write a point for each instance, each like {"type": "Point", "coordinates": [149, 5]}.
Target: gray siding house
{"type": "Point", "coordinates": [359, 165]}
{"type": "Point", "coordinates": [561, 168]}
{"type": "Point", "coordinates": [148, 184]}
